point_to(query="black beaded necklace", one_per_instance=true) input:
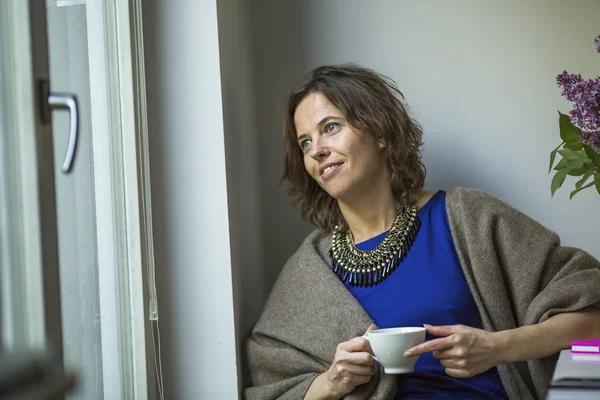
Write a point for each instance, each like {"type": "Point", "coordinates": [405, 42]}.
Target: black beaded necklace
{"type": "Point", "coordinates": [369, 268]}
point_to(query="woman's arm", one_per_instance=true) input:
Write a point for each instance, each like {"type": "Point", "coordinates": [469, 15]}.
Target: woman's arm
{"type": "Point", "coordinates": [548, 337]}
{"type": "Point", "coordinates": [466, 351]}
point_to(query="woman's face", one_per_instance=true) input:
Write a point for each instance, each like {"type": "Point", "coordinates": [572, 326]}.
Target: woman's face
{"type": "Point", "coordinates": [345, 162]}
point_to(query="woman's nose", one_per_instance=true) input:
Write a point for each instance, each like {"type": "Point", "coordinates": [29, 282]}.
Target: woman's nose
{"type": "Point", "coordinates": [319, 151]}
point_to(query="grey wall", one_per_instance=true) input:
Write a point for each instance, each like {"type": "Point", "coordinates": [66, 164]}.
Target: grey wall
{"type": "Point", "coordinates": [479, 76]}
{"type": "Point", "coordinates": [282, 54]}
{"type": "Point", "coordinates": [241, 146]}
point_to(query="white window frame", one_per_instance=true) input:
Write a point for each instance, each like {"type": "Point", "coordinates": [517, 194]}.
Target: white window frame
{"type": "Point", "coordinates": [138, 206]}
{"type": "Point", "coordinates": [140, 251]}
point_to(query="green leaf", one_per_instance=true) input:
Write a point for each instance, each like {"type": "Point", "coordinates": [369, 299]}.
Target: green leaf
{"type": "Point", "coordinates": [574, 146]}
{"type": "Point", "coordinates": [596, 182]}
{"type": "Point", "coordinates": [592, 155]}
{"type": "Point", "coordinates": [553, 156]}
{"type": "Point", "coordinates": [589, 172]}
{"type": "Point", "coordinates": [568, 132]}
{"type": "Point", "coordinates": [574, 192]}
{"type": "Point", "coordinates": [558, 180]}
{"type": "Point", "coordinates": [569, 154]}
{"type": "Point", "coordinates": [575, 164]}
{"type": "Point", "coordinates": [562, 164]}
{"type": "Point", "coordinates": [577, 172]}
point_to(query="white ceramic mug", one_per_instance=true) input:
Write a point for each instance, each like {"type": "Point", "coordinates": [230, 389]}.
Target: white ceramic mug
{"type": "Point", "coordinates": [389, 345]}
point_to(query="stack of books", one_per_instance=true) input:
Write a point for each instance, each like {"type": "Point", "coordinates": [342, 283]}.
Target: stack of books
{"type": "Point", "coordinates": [578, 370]}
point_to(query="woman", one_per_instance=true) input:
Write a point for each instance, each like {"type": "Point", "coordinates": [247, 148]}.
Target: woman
{"type": "Point", "coordinates": [497, 293]}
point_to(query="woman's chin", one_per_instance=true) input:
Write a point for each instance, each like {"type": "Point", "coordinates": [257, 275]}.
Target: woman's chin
{"type": "Point", "coordinates": [337, 191]}
{"type": "Point", "coordinates": [339, 195]}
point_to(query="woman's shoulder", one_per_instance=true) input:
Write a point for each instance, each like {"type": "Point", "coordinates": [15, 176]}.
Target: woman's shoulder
{"type": "Point", "coordinates": [475, 210]}
{"type": "Point", "coordinates": [468, 200]}
{"type": "Point", "coordinates": [457, 198]}
{"type": "Point", "coordinates": [458, 193]}
{"type": "Point", "coordinates": [423, 197]}
{"type": "Point", "coordinates": [470, 195]}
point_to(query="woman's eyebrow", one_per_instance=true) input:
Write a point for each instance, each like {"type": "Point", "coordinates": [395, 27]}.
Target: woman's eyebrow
{"type": "Point", "coordinates": [302, 137]}
{"type": "Point", "coordinates": [326, 119]}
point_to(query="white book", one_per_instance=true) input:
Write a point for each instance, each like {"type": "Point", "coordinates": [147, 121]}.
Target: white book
{"type": "Point", "coordinates": [586, 357]}
{"type": "Point", "coordinates": [586, 349]}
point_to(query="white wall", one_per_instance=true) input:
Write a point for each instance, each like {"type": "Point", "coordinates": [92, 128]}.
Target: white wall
{"type": "Point", "coordinates": [189, 197]}
{"type": "Point", "coordinates": [479, 76]}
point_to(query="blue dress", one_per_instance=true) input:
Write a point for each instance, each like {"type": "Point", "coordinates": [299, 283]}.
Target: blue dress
{"type": "Point", "coordinates": [429, 287]}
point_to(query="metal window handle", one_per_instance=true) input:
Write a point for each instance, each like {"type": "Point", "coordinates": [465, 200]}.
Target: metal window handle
{"type": "Point", "coordinates": [64, 101]}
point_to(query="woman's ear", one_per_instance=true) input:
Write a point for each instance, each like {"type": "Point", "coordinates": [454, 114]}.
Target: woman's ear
{"type": "Point", "coordinates": [382, 144]}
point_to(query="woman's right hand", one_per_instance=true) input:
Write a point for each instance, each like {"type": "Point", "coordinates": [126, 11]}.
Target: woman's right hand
{"type": "Point", "coordinates": [352, 366]}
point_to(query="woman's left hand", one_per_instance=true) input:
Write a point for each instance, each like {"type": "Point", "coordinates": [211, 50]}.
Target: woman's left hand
{"type": "Point", "coordinates": [464, 351]}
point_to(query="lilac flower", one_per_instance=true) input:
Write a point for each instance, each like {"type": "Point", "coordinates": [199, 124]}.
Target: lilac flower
{"type": "Point", "coordinates": [566, 79]}
{"type": "Point", "coordinates": [586, 98]}
{"type": "Point", "coordinates": [591, 139]}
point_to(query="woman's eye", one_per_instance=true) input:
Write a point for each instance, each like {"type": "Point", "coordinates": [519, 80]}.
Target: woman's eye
{"type": "Point", "coordinates": [332, 126]}
{"type": "Point", "coordinates": [305, 143]}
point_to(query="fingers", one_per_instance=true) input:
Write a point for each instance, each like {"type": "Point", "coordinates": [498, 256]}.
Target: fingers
{"type": "Point", "coordinates": [431, 345]}
{"type": "Point", "coordinates": [355, 352]}
{"type": "Point", "coordinates": [356, 345]}
{"type": "Point", "coordinates": [353, 364]}
{"type": "Point", "coordinates": [457, 363]}
{"type": "Point", "coordinates": [454, 352]}
{"type": "Point", "coordinates": [464, 351]}
{"type": "Point", "coordinates": [442, 330]}
{"type": "Point", "coordinates": [449, 336]}
{"type": "Point", "coordinates": [357, 358]}
{"type": "Point", "coordinates": [370, 328]}
{"type": "Point", "coordinates": [347, 368]}
{"type": "Point", "coordinates": [458, 373]}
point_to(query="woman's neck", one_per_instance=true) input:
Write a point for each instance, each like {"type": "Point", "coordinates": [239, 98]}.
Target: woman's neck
{"type": "Point", "coordinates": [374, 215]}
{"type": "Point", "coordinates": [370, 217]}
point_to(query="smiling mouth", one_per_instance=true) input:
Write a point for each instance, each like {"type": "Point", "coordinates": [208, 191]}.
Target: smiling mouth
{"type": "Point", "coordinates": [330, 170]}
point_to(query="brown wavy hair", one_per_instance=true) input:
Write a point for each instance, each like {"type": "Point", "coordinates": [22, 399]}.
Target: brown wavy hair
{"type": "Point", "coordinates": [371, 103]}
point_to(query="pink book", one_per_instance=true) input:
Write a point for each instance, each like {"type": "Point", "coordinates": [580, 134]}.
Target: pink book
{"type": "Point", "coordinates": [586, 346]}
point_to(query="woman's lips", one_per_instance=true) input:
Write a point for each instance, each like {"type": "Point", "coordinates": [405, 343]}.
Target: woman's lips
{"type": "Point", "coordinates": [330, 171]}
